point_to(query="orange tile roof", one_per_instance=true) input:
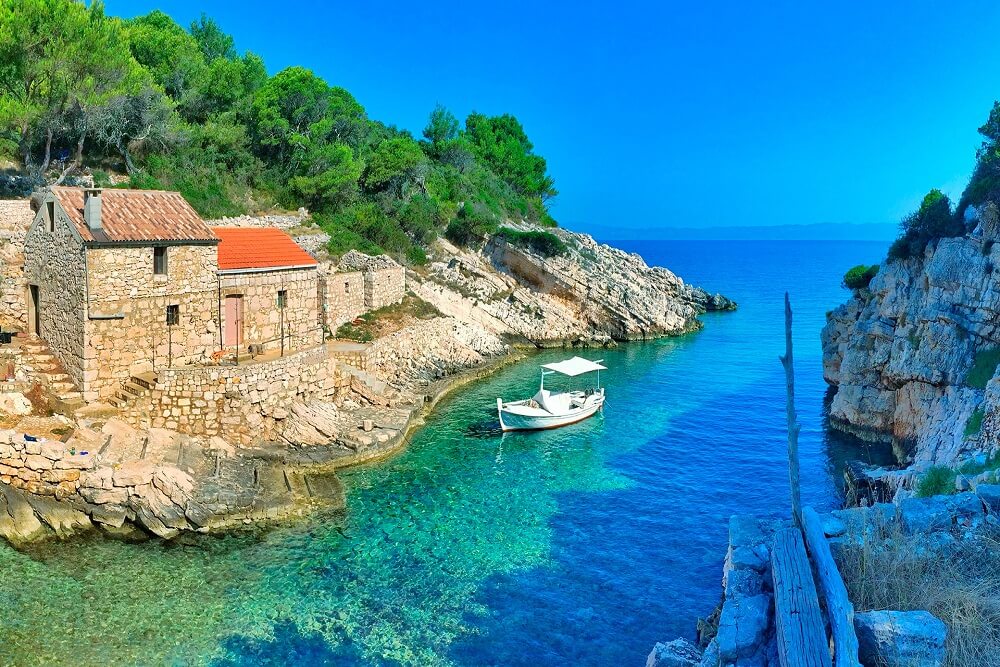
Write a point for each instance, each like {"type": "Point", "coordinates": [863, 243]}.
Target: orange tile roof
{"type": "Point", "coordinates": [259, 248]}
{"type": "Point", "coordinates": [136, 215]}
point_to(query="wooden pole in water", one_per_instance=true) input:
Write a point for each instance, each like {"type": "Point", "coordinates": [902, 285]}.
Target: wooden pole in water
{"type": "Point", "coordinates": [793, 422]}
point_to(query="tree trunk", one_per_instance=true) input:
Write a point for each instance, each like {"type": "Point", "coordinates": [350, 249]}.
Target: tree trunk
{"type": "Point", "coordinates": [48, 152]}
{"type": "Point", "coordinates": [77, 160]}
{"type": "Point", "coordinates": [129, 165]}
{"type": "Point", "coordinates": [25, 147]}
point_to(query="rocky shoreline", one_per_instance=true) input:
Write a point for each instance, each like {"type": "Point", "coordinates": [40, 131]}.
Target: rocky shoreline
{"type": "Point", "coordinates": [913, 358]}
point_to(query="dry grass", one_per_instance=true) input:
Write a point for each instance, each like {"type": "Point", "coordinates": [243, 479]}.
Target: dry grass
{"type": "Point", "coordinates": [39, 399]}
{"type": "Point", "coordinates": [957, 581]}
{"type": "Point", "coordinates": [388, 320]}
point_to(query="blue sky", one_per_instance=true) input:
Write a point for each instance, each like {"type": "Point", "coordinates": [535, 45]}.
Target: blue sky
{"type": "Point", "coordinates": [670, 114]}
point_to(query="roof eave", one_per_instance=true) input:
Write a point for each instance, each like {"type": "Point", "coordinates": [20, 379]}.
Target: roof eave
{"type": "Point", "coordinates": [264, 269]}
{"type": "Point", "coordinates": [139, 243]}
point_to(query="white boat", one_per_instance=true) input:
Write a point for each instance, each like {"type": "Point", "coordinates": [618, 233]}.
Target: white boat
{"type": "Point", "coordinates": [548, 410]}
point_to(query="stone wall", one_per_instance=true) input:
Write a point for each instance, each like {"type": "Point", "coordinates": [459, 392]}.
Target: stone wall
{"type": "Point", "coordinates": [54, 261]}
{"type": "Point", "coordinates": [245, 404]}
{"type": "Point", "coordinates": [281, 221]}
{"type": "Point", "coordinates": [342, 295]}
{"type": "Point", "coordinates": [263, 322]}
{"type": "Point", "coordinates": [384, 287]}
{"type": "Point", "coordinates": [15, 218]}
{"type": "Point", "coordinates": [44, 468]}
{"type": "Point", "coordinates": [127, 332]}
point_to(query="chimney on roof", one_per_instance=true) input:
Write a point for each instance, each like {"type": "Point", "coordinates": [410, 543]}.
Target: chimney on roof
{"type": "Point", "coordinates": [92, 208]}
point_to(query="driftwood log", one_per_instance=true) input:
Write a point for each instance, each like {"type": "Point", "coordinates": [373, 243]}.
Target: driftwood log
{"type": "Point", "coordinates": [797, 617]}
{"type": "Point", "coordinates": [839, 609]}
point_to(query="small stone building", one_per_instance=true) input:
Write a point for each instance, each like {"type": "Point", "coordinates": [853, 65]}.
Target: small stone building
{"type": "Point", "coordinates": [342, 294]}
{"type": "Point", "coordinates": [384, 278]}
{"type": "Point", "coordinates": [269, 285]}
{"type": "Point", "coordinates": [125, 282]}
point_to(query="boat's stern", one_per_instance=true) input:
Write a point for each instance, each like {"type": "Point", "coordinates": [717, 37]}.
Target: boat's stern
{"type": "Point", "coordinates": [503, 427]}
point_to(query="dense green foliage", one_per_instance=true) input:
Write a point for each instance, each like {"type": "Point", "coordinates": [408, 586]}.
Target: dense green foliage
{"type": "Point", "coordinates": [544, 243]}
{"type": "Point", "coordinates": [934, 220]}
{"type": "Point", "coordinates": [984, 365]}
{"type": "Point", "coordinates": [183, 109]}
{"type": "Point", "coordinates": [937, 481]}
{"type": "Point", "coordinates": [860, 276]}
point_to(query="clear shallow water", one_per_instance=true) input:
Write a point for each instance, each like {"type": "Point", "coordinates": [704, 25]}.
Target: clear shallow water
{"type": "Point", "coordinates": [582, 545]}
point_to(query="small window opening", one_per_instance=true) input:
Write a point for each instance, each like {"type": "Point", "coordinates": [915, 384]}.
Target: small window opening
{"type": "Point", "coordinates": [347, 287]}
{"type": "Point", "coordinates": [160, 261]}
{"type": "Point", "coordinates": [173, 315]}
{"type": "Point", "coordinates": [50, 211]}
{"type": "Point", "coordinates": [282, 298]}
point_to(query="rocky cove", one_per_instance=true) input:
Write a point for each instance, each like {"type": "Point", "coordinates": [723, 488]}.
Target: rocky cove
{"type": "Point", "coordinates": [294, 420]}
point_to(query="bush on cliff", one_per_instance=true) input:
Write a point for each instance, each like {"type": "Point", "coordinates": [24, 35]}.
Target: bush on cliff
{"type": "Point", "coordinates": [545, 244]}
{"type": "Point", "coordinates": [860, 276]}
{"type": "Point", "coordinates": [984, 366]}
{"type": "Point", "coordinates": [933, 220]}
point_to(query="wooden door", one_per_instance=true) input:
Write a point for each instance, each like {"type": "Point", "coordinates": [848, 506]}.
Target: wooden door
{"type": "Point", "coordinates": [233, 328]}
{"type": "Point", "coordinates": [35, 317]}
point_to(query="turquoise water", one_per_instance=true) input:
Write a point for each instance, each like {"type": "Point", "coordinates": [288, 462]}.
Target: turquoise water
{"type": "Point", "coordinates": [583, 545]}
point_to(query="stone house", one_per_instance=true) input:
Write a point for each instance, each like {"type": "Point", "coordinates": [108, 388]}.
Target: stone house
{"type": "Point", "coordinates": [125, 282]}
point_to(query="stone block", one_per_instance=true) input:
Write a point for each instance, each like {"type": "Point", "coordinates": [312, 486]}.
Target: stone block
{"type": "Point", "coordinates": [743, 626]}
{"type": "Point", "coordinates": [53, 449]}
{"type": "Point", "coordinates": [900, 638]}
{"type": "Point", "coordinates": [37, 462]}
{"type": "Point", "coordinates": [104, 496]}
{"type": "Point", "coordinates": [133, 473]}
{"type": "Point", "coordinates": [989, 495]}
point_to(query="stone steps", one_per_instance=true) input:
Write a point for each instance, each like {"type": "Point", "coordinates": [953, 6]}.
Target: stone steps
{"type": "Point", "coordinates": [371, 388]}
{"type": "Point", "coordinates": [63, 392]}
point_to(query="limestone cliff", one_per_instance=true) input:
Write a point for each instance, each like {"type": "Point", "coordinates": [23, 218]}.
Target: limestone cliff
{"type": "Point", "coordinates": [900, 354]}
{"type": "Point", "coordinates": [592, 294]}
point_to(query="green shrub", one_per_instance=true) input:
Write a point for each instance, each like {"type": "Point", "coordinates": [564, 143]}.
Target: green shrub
{"type": "Point", "coordinates": [984, 365]}
{"type": "Point", "coordinates": [416, 256]}
{"type": "Point", "coordinates": [938, 481]}
{"type": "Point", "coordinates": [546, 244]}
{"type": "Point", "coordinates": [933, 220]}
{"type": "Point", "coordinates": [101, 178]}
{"type": "Point", "coordinates": [471, 226]}
{"type": "Point", "coordinates": [975, 423]}
{"type": "Point", "coordinates": [860, 276]}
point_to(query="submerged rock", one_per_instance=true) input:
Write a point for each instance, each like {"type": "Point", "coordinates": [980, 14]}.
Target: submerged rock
{"type": "Point", "coordinates": [900, 638]}
{"type": "Point", "coordinates": [678, 653]}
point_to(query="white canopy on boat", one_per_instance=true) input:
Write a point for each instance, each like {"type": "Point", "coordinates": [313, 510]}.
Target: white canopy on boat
{"type": "Point", "coordinates": [575, 366]}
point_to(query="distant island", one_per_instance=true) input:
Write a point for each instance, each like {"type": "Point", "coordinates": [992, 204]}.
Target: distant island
{"type": "Point", "coordinates": [825, 231]}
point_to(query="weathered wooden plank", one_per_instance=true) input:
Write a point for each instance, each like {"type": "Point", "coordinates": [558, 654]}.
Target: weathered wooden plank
{"type": "Point", "coordinates": [797, 617]}
{"type": "Point", "coordinates": [792, 418]}
{"type": "Point", "coordinates": [839, 609]}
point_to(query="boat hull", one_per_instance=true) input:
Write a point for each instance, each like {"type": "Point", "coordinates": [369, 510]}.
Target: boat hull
{"type": "Point", "coordinates": [512, 421]}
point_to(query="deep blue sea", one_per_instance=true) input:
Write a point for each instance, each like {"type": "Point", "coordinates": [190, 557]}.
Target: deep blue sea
{"type": "Point", "coordinates": [583, 545]}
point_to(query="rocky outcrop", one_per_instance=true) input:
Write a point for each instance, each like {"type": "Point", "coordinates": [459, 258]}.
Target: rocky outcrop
{"type": "Point", "coordinates": [900, 638]}
{"type": "Point", "coordinates": [901, 352]}
{"type": "Point", "coordinates": [592, 294]}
